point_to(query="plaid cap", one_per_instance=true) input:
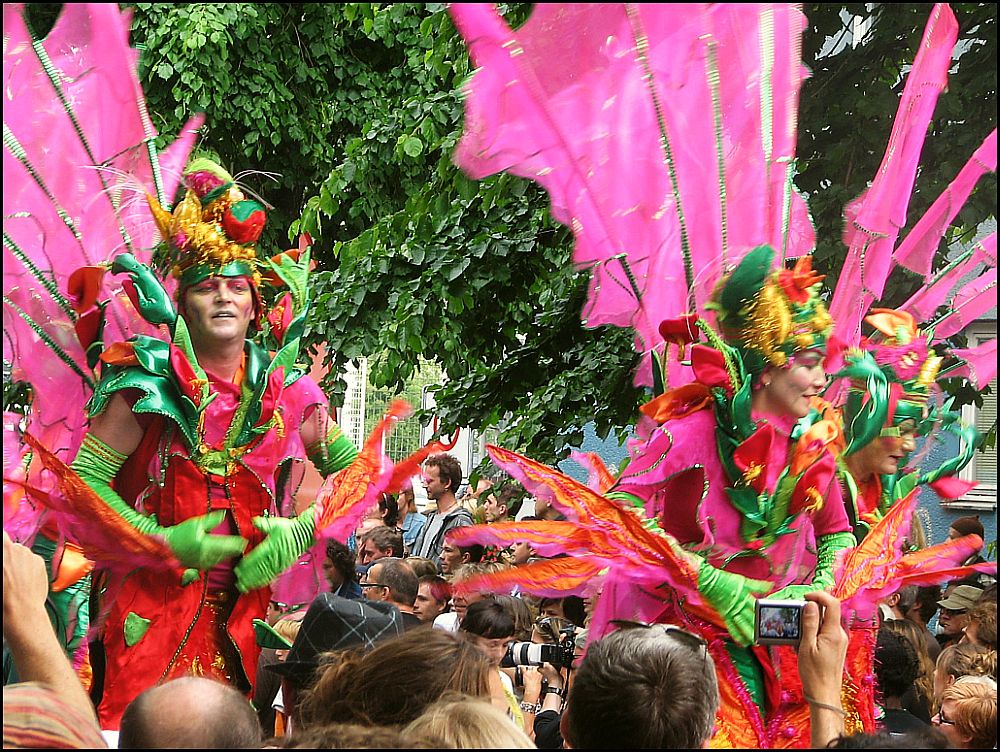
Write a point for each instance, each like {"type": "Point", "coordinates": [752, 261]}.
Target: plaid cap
{"type": "Point", "coordinates": [335, 623]}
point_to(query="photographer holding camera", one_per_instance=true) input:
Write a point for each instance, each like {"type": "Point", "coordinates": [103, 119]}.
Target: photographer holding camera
{"type": "Point", "coordinates": [543, 669]}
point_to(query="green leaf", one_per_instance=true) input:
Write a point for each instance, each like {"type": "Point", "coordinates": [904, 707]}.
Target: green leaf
{"type": "Point", "coordinates": [413, 146]}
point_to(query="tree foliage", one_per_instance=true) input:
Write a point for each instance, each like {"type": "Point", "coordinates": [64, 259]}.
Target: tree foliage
{"type": "Point", "coordinates": [356, 107]}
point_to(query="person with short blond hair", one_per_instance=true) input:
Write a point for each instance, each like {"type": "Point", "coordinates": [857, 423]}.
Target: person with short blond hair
{"type": "Point", "coordinates": [463, 722]}
{"type": "Point", "coordinates": [968, 715]}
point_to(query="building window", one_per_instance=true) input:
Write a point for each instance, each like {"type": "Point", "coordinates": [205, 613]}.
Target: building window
{"type": "Point", "coordinates": [983, 467]}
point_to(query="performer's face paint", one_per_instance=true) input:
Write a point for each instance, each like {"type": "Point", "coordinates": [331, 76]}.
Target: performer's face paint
{"type": "Point", "coordinates": [219, 309]}
{"type": "Point", "coordinates": [788, 390]}
{"type": "Point", "coordinates": [887, 453]}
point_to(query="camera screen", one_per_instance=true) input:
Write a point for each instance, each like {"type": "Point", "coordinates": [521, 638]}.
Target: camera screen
{"type": "Point", "coordinates": [780, 622]}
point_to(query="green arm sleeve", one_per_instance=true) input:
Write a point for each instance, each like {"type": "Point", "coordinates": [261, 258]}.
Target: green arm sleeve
{"type": "Point", "coordinates": [827, 547]}
{"type": "Point", "coordinates": [333, 452]}
{"type": "Point", "coordinates": [98, 464]}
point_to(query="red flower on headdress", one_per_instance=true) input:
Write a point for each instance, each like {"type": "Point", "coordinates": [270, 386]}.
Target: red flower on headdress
{"type": "Point", "coordinates": [88, 326]}
{"type": "Point", "coordinates": [84, 286]}
{"type": "Point", "coordinates": [244, 221]}
{"type": "Point", "coordinates": [681, 330]}
{"type": "Point", "coordinates": [709, 367]}
{"type": "Point", "coordinates": [796, 281]}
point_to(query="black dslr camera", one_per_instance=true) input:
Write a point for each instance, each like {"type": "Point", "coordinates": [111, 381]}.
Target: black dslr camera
{"type": "Point", "coordinates": [559, 654]}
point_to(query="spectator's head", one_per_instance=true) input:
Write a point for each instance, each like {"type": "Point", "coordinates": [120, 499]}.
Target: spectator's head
{"type": "Point", "coordinates": [333, 623]}
{"type": "Point", "coordinates": [926, 605]}
{"type": "Point", "coordinates": [378, 543]}
{"type": "Point", "coordinates": [522, 551]}
{"type": "Point", "coordinates": [953, 617]}
{"type": "Point", "coordinates": [965, 526]}
{"type": "Point", "coordinates": [520, 611]}
{"type": "Point", "coordinates": [502, 505]}
{"type": "Point", "coordinates": [433, 594]}
{"type": "Point", "coordinates": [463, 597]}
{"type": "Point", "coordinates": [395, 682]}
{"type": "Point", "coordinates": [36, 717]}
{"type": "Point", "coordinates": [924, 739]}
{"type": "Point", "coordinates": [896, 663]}
{"type": "Point", "coordinates": [490, 627]}
{"type": "Point", "coordinates": [338, 566]}
{"type": "Point", "coordinates": [903, 600]}
{"type": "Point", "coordinates": [968, 716]}
{"type": "Point", "coordinates": [191, 712]}
{"type": "Point", "coordinates": [392, 580]}
{"type": "Point", "coordinates": [468, 723]}
{"type": "Point", "coordinates": [354, 736]}
{"type": "Point", "coordinates": [982, 626]}
{"type": "Point", "coordinates": [652, 687]}
{"type": "Point", "coordinates": [387, 512]}
{"type": "Point", "coordinates": [421, 566]}
{"type": "Point", "coordinates": [570, 608]}
{"type": "Point", "coordinates": [453, 556]}
{"type": "Point", "coordinates": [442, 476]}
{"type": "Point", "coordinates": [962, 659]}
{"type": "Point", "coordinates": [406, 500]}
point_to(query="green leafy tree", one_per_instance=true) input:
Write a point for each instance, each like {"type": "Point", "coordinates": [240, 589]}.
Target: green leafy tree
{"type": "Point", "coordinates": [356, 109]}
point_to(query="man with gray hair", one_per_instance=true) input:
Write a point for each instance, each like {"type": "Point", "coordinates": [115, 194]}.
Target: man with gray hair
{"type": "Point", "coordinates": [643, 686]}
{"type": "Point", "coordinates": [392, 580]}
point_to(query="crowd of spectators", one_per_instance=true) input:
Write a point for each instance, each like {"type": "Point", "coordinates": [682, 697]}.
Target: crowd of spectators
{"type": "Point", "coordinates": [399, 654]}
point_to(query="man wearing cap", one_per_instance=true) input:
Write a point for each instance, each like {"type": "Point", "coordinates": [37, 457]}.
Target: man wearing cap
{"type": "Point", "coordinates": [191, 443]}
{"type": "Point", "coordinates": [953, 617]}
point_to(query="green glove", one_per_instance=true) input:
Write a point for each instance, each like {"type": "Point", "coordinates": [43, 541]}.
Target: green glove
{"type": "Point", "coordinates": [286, 541]}
{"type": "Point", "coordinates": [827, 547]}
{"type": "Point", "coordinates": [190, 541]}
{"type": "Point", "coordinates": [195, 546]}
{"type": "Point", "coordinates": [733, 596]}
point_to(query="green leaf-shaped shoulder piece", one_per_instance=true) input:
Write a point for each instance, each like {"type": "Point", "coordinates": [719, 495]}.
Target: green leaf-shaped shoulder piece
{"type": "Point", "coordinates": [154, 303]}
{"type": "Point", "coordinates": [154, 379]}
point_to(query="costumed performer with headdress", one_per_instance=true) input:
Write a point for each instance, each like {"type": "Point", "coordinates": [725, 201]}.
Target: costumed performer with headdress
{"type": "Point", "coordinates": [667, 143]}
{"type": "Point", "coordinates": [888, 407]}
{"type": "Point", "coordinates": [188, 441]}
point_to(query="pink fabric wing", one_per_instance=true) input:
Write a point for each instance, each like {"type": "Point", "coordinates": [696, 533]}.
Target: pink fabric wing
{"type": "Point", "coordinates": [78, 164]}
{"type": "Point", "coordinates": [980, 363]}
{"type": "Point", "coordinates": [875, 218]}
{"type": "Point", "coordinates": [706, 140]}
{"type": "Point", "coordinates": [916, 253]}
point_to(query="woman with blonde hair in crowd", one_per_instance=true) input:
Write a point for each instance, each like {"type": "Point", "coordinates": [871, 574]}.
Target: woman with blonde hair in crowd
{"type": "Point", "coordinates": [961, 660]}
{"type": "Point", "coordinates": [919, 700]}
{"type": "Point", "coordinates": [968, 715]}
{"type": "Point", "coordinates": [462, 722]}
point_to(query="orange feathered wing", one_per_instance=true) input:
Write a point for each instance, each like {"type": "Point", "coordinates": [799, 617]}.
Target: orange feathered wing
{"type": "Point", "coordinates": [99, 530]}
